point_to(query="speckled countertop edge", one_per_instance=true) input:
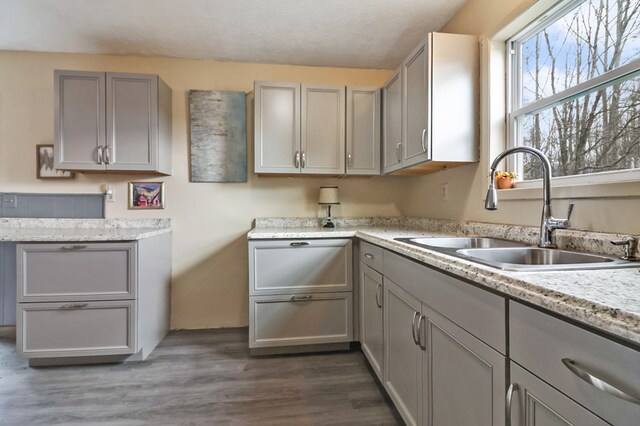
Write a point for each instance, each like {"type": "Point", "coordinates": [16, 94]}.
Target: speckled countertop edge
{"type": "Point", "coordinates": [65, 230]}
{"type": "Point", "coordinates": [607, 299]}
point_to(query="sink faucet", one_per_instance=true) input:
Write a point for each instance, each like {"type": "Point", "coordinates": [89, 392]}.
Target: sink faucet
{"type": "Point", "coordinates": [548, 223]}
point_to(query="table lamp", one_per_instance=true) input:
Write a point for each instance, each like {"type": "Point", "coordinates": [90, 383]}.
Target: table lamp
{"type": "Point", "coordinates": [328, 197]}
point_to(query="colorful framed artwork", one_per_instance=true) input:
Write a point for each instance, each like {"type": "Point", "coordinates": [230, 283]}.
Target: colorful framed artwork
{"type": "Point", "coordinates": [146, 195]}
{"type": "Point", "coordinates": [44, 165]}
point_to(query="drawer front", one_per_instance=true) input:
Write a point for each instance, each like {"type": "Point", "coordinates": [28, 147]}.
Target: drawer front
{"type": "Point", "coordinates": [76, 329]}
{"type": "Point", "coordinates": [300, 319]}
{"type": "Point", "coordinates": [300, 266]}
{"type": "Point", "coordinates": [371, 255]}
{"type": "Point", "coordinates": [540, 342]}
{"type": "Point", "coordinates": [76, 271]}
{"type": "Point", "coordinates": [479, 312]}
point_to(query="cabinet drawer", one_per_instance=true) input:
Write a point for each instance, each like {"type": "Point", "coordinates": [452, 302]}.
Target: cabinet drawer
{"type": "Point", "coordinates": [371, 255]}
{"type": "Point", "coordinates": [479, 312]}
{"type": "Point", "coordinates": [540, 342]}
{"type": "Point", "coordinates": [76, 329]}
{"type": "Point", "coordinates": [300, 319]}
{"type": "Point", "coordinates": [76, 271]}
{"type": "Point", "coordinates": [299, 266]}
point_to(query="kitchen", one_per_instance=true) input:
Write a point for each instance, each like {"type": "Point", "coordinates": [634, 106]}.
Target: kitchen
{"type": "Point", "coordinates": [209, 222]}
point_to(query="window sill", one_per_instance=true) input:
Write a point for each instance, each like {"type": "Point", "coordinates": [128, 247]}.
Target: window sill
{"type": "Point", "coordinates": [586, 191]}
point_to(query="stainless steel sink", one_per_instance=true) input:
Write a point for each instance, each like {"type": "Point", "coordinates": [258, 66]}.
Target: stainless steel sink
{"type": "Point", "coordinates": [454, 243]}
{"type": "Point", "coordinates": [540, 259]}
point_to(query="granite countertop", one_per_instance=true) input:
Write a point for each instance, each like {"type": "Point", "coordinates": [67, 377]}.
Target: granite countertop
{"type": "Point", "coordinates": [52, 230]}
{"type": "Point", "coordinates": [608, 299]}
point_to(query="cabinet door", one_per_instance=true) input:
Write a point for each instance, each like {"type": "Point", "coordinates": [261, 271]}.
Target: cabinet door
{"type": "Point", "coordinates": [371, 321]}
{"type": "Point", "coordinates": [402, 356]}
{"type": "Point", "coordinates": [416, 88]}
{"type": "Point", "coordinates": [363, 131]}
{"type": "Point", "coordinates": [132, 122]}
{"type": "Point", "coordinates": [79, 122]}
{"type": "Point", "coordinates": [277, 127]}
{"type": "Point", "coordinates": [322, 126]}
{"type": "Point", "coordinates": [535, 403]}
{"type": "Point", "coordinates": [464, 380]}
{"type": "Point", "coordinates": [392, 123]}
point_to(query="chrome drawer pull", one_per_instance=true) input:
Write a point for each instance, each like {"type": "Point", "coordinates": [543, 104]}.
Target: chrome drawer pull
{"type": "Point", "coordinates": [300, 298]}
{"type": "Point", "coordinates": [369, 256]}
{"type": "Point", "coordinates": [299, 244]}
{"type": "Point", "coordinates": [296, 160]}
{"type": "Point", "coordinates": [413, 327]}
{"type": "Point", "coordinates": [99, 150]}
{"type": "Point", "coordinates": [597, 382]}
{"type": "Point", "coordinates": [74, 306]}
{"type": "Point", "coordinates": [424, 148]}
{"type": "Point", "coordinates": [74, 247]}
{"type": "Point", "coordinates": [421, 320]}
{"type": "Point", "coordinates": [378, 304]}
{"type": "Point", "coordinates": [508, 400]}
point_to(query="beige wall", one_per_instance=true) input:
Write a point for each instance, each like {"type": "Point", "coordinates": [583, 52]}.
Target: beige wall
{"type": "Point", "coordinates": [210, 219]}
{"type": "Point", "coordinates": [467, 185]}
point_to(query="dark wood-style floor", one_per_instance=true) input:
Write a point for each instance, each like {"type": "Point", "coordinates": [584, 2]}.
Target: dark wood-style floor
{"type": "Point", "coordinates": [196, 378]}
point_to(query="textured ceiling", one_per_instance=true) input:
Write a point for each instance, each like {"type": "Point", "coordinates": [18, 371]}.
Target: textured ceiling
{"type": "Point", "coordinates": [343, 33]}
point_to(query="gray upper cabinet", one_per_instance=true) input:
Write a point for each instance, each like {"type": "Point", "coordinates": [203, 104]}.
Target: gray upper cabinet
{"type": "Point", "coordinates": [299, 128]}
{"type": "Point", "coordinates": [438, 98]}
{"type": "Point", "coordinates": [277, 127]}
{"type": "Point", "coordinates": [112, 122]}
{"type": "Point", "coordinates": [363, 131]}
{"type": "Point", "coordinates": [392, 123]}
{"type": "Point", "coordinates": [415, 92]}
{"type": "Point", "coordinates": [79, 119]}
{"type": "Point", "coordinates": [322, 130]}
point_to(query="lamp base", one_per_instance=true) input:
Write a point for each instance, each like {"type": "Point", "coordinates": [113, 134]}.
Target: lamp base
{"type": "Point", "coordinates": [329, 224]}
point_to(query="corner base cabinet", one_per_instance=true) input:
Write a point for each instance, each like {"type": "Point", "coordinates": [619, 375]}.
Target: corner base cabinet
{"type": "Point", "coordinates": [300, 294]}
{"type": "Point", "coordinates": [92, 302]}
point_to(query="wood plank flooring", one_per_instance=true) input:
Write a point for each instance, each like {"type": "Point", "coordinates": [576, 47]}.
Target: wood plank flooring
{"type": "Point", "coordinates": [196, 378]}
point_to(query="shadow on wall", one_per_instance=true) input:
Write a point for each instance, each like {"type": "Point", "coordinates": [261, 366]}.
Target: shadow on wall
{"type": "Point", "coordinates": [216, 284]}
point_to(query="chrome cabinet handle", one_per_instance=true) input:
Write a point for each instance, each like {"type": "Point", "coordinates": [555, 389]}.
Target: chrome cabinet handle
{"type": "Point", "coordinates": [413, 327]}
{"type": "Point", "coordinates": [349, 160]}
{"type": "Point", "coordinates": [107, 155]}
{"type": "Point", "coordinates": [424, 133]}
{"type": "Point", "coordinates": [378, 288]}
{"type": "Point", "coordinates": [300, 298]}
{"type": "Point", "coordinates": [304, 159]}
{"type": "Point", "coordinates": [597, 382]}
{"type": "Point", "coordinates": [99, 151]}
{"type": "Point", "coordinates": [421, 320]}
{"type": "Point", "coordinates": [74, 306]}
{"type": "Point", "coordinates": [508, 400]}
{"type": "Point", "coordinates": [299, 244]}
{"type": "Point", "coordinates": [398, 151]}
{"type": "Point", "coordinates": [369, 256]}
{"type": "Point", "coordinates": [296, 159]}
{"type": "Point", "coordinates": [74, 247]}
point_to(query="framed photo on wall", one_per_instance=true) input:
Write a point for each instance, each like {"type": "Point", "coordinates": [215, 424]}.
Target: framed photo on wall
{"type": "Point", "coordinates": [146, 195]}
{"type": "Point", "coordinates": [44, 164]}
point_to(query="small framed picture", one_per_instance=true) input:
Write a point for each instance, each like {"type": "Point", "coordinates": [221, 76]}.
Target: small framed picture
{"type": "Point", "coordinates": [44, 164]}
{"type": "Point", "coordinates": [146, 195]}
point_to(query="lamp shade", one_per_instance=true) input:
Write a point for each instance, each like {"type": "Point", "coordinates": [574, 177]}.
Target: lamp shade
{"type": "Point", "coordinates": [328, 195]}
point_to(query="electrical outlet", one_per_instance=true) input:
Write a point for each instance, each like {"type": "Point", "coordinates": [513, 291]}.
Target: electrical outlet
{"type": "Point", "coordinates": [9, 201]}
{"type": "Point", "coordinates": [444, 191]}
{"type": "Point", "coordinates": [109, 193]}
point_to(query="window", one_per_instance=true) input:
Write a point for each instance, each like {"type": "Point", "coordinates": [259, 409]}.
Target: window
{"type": "Point", "coordinates": [574, 90]}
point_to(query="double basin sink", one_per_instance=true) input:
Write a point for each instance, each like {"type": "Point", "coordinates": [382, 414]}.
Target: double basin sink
{"type": "Point", "coordinates": [514, 256]}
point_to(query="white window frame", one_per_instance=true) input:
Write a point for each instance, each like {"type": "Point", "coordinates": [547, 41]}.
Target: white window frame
{"type": "Point", "coordinates": [514, 111]}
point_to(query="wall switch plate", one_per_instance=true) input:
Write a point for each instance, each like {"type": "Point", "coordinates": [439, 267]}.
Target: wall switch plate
{"type": "Point", "coordinates": [109, 193]}
{"type": "Point", "coordinates": [9, 201]}
{"type": "Point", "coordinates": [444, 191]}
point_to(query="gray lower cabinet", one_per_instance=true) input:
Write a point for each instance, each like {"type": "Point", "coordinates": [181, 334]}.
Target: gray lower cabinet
{"type": "Point", "coordinates": [112, 122]}
{"type": "Point", "coordinates": [300, 294]}
{"type": "Point", "coordinates": [534, 403]}
{"type": "Point", "coordinates": [371, 318]}
{"type": "Point", "coordinates": [403, 366]}
{"type": "Point", "coordinates": [597, 373]}
{"type": "Point", "coordinates": [92, 302]}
